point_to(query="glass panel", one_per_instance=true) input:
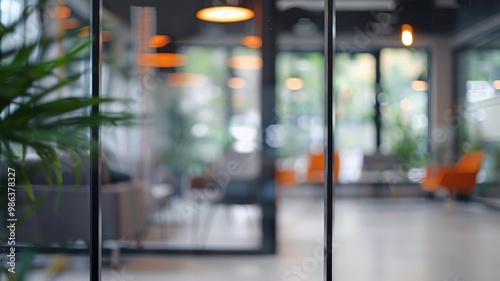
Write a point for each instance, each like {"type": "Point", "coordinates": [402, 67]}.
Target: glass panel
{"type": "Point", "coordinates": [43, 77]}
{"type": "Point", "coordinates": [300, 112]}
{"type": "Point", "coordinates": [355, 87]}
{"type": "Point", "coordinates": [404, 108]}
{"type": "Point", "coordinates": [355, 131]}
{"type": "Point", "coordinates": [478, 84]}
{"type": "Point", "coordinates": [430, 215]}
{"type": "Point", "coordinates": [189, 171]}
{"type": "Point", "coordinates": [300, 166]}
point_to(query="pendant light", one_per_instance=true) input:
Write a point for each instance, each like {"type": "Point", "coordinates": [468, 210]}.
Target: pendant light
{"type": "Point", "coordinates": [251, 41]}
{"type": "Point", "coordinates": [407, 35]}
{"type": "Point", "coordinates": [247, 62]}
{"type": "Point", "coordinates": [420, 84]}
{"type": "Point", "coordinates": [158, 41]}
{"type": "Point", "coordinates": [225, 11]}
{"type": "Point", "coordinates": [294, 83]}
{"type": "Point", "coordinates": [161, 60]}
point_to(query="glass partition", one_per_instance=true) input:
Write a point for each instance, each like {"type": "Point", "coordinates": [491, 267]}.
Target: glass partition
{"type": "Point", "coordinates": [355, 82]}
{"type": "Point", "coordinates": [190, 170]}
{"type": "Point", "coordinates": [478, 96]}
{"type": "Point", "coordinates": [300, 113]}
{"type": "Point", "coordinates": [45, 74]}
{"type": "Point", "coordinates": [381, 128]}
{"type": "Point", "coordinates": [404, 102]}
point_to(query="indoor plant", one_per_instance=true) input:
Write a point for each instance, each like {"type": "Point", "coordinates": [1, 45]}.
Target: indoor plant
{"type": "Point", "coordinates": [33, 117]}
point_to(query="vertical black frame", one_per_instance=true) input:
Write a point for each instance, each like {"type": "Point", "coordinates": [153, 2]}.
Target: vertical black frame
{"type": "Point", "coordinates": [378, 91]}
{"type": "Point", "coordinates": [95, 185]}
{"type": "Point", "coordinates": [329, 137]}
{"type": "Point", "coordinates": [268, 114]}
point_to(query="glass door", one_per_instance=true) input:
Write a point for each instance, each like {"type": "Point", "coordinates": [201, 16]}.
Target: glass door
{"type": "Point", "coordinates": [381, 116]}
{"type": "Point", "coordinates": [355, 126]}
{"type": "Point", "coordinates": [44, 175]}
{"type": "Point", "coordinates": [191, 167]}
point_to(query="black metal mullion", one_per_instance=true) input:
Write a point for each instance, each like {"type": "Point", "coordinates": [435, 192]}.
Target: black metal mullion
{"type": "Point", "coordinates": [430, 106]}
{"type": "Point", "coordinates": [456, 99]}
{"type": "Point", "coordinates": [95, 188]}
{"type": "Point", "coordinates": [268, 110]}
{"type": "Point", "coordinates": [378, 90]}
{"type": "Point", "coordinates": [329, 138]}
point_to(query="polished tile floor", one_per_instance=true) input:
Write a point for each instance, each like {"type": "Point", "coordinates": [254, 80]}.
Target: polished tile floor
{"type": "Point", "coordinates": [376, 239]}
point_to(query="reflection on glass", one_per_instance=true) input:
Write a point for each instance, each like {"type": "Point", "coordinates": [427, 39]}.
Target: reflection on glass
{"type": "Point", "coordinates": [42, 76]}
{"type": "Point", "coordinates": [299, 132]}
{"type": "Point", "coordinates": [479, 83]}
{"type": "Point", "coordinates": [191, 166]}
{"type": "Point", "coordinates": [355, 86]}
{"type": "Point", "coordinates": [405, 106]}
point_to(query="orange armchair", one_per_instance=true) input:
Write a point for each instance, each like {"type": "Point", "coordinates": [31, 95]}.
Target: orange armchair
{"type": "Point", "coordinates": [459, 178]}
{"type": "Point", "coordinates": [316, 168]}
{"type": "Point", "coordinates": [285, 177]}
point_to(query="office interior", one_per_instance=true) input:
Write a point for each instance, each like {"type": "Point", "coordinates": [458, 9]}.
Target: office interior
{"type": "Point", "coordinates": [222, 175]}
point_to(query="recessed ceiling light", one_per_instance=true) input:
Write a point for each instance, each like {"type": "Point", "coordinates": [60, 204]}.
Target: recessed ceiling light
{"type": "Point", "coordinates": [253, 42]}
{"type": "Point", "coordinates": [407, 35]}
{"type": "Point", "coordinates": [294, 83]}
{"type": "Point", "coordinates": [419, 85]}
{"type": "Point", "coordinates": [161, 60]}
{"type": "Point", "coordinates": [246, 62]}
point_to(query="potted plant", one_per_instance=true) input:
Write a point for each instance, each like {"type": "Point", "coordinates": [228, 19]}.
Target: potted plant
{"type": "Point", "coordinates": [33, 117]}
{"type": "Point", "coordinates": [409, 145]}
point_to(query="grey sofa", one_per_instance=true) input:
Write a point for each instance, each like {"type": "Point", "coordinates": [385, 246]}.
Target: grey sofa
{"type": "Point", "coordinates": [63, 217]}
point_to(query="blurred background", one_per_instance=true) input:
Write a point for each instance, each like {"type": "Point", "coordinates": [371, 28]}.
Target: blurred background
{"type": "Point", "coordinates": [222, 177]}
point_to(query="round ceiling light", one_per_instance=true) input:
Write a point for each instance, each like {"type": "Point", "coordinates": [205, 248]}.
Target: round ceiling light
{"type": "Point", "coordinates": [159, 41]}
{"type": "Point", "coordinates": [253, 42]}
{"type": "Point", "coordinates": [224, 14]}
{"type": "Point", "coordinates": [161, 60]}
{"type": "Point", "coordinates": [407, 35]}
{"type": "Point", "coordinates": [246, 62]}
{"type": "Point", "coordinates": [294, 83]}
{"type": "Point", "coordinates": [419, 85]}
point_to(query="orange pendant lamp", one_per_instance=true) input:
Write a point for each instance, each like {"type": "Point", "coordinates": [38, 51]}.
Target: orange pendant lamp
{"type": "Point", "coordinates": [420, 84]}
{"type": "Point", "coordinates": [253, 42]}
{"type": "Point", "coordinates": [225, 11]}
{"type": "Point", "coordinates": [161, 60]}
{"type": "Point", "coordinates": [407, 35]}
{"type": "Point", "coordinates": [158, 41]}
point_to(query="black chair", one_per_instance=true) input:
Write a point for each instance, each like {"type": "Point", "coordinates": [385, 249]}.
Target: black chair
{"type": "Point", "coordinates": [233, 181]}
